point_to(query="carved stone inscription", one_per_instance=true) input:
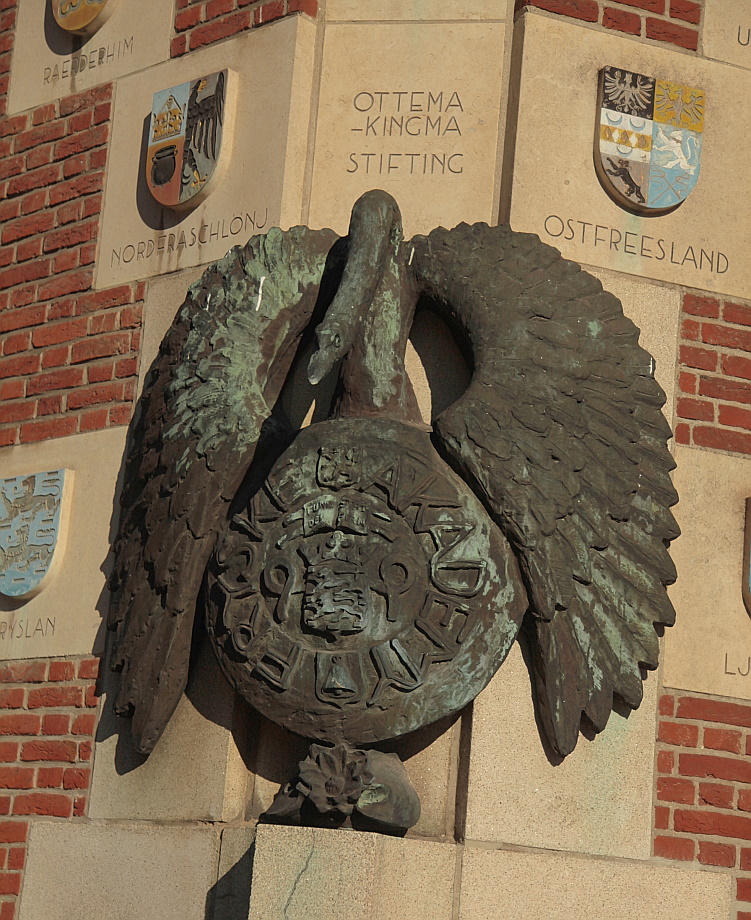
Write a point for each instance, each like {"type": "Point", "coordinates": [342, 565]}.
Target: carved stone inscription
{"type": "Point", "coordinates": [736, 663]}
{"type": "Point", "coordinates": [727, 31]}
{"type": "Point", "coordinates": [358, 585]}
{"type": "Point", "coordinates": [391, 115]}
{"type": "Point", "coordinates": [100, 58]}
{"type": "Point", "coordinates": [187, 238]}
{"type": "Point", "coordinates": [691, 256]}
{"type": "Point", "coordinates": [416, 118]}
{"type": "Point", "coordinates": [17, 627]}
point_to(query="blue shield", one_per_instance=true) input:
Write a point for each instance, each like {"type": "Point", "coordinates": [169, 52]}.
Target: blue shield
{"type": "Point", "coordinates": [30, 522]}
{"type": "Point", "coordinates": [648, 140]}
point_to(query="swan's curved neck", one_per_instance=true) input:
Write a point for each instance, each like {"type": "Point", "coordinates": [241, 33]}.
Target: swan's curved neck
{"type": "Point", "coordinates": [373, 376]}
{"type": "Point", "coordinates": [369, 320]}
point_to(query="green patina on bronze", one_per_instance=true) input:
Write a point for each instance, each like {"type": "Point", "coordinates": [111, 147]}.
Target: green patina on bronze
{"type": "Point", "coordinates": [431, 583]}
{"type": "Point", "coordinates": [369, 574]}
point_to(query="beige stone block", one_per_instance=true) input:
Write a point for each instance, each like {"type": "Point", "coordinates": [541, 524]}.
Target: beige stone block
{"type": "Point", "coordinates": [276, 754]}
{"type": "Point", "coordinates": [727, 31]}
{"type": "Point", "coordinates": [49, 63]}
{"type": "Point", "coordinates": [65, 618]}
{"type": "Point", "coordinates": [656, 310]}
{"type": "Point", "coordinates": [418, 10]}
{"type": "Point", "coordinates": [195, 773]}
{"type": "Point", "coordinates": [598, 800]}
{"type": "Point", "coordinates": [117, 872]}
{"type": "Point", "coordinates": [557, 194]}
{"type": "Point", "coordinates": [302, 873]}
{"type": "Point", "coordinates": [263, 156]}
{"type": "Point", "coordinates": [412, 108]}
{"type": "Point", "coordinates": [164, 297]}
{"type": "Point", "coordinates": [232, 894]}
{"type": "Point", "coordinates": [429, 755]}
{"type": "Point", "coordinates": [530, 886]}
{"type": "Point", "coordinates": [709, 648]}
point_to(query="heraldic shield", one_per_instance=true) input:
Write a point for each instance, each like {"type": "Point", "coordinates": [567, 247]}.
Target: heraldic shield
{"type": "Point", "coordinates": [82, 17]}
{"type": "Point", "coordinates": [185, 139]}
{"type": "Point", "coordinates": [32, 519]}
{"type": "Point", "coordinates": [648, 140]}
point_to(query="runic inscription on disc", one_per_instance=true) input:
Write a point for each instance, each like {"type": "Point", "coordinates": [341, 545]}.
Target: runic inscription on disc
{"type": "Point", "coordinates": [362, 591]}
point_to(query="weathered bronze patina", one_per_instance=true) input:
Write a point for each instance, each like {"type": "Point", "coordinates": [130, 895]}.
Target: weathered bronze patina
{"type": "Point", "coordinates": [363, 591]}
{"type": "Point", "coordinates": [366, 576]}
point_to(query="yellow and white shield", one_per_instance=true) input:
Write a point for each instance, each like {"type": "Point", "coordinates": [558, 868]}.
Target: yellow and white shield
{"type": "Point", "coordinates": [648, 140]}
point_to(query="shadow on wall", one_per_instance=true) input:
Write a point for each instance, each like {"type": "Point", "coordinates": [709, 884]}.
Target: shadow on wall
{"type": "Point", "coordinates": [208, 692]}
{"type": "Point", "coordinates": [229, 897]}
{"type": "Point", "coordinates": [58, 41]}
{"type": "Point", "coordinates": [442, 373]}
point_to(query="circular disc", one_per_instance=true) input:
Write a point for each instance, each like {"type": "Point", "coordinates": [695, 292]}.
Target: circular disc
{"type": "Point", "coordinates": [363, 591]}
{"type": "Point", "coordinates": [82, 17]}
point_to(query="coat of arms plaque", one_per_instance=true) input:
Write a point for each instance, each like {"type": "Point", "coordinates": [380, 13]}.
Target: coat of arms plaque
{"type": "Point", "coordinates": [31, 525]}
{"type": "Point", "coordinates": [648, 140]}
{"type": "Point", "coordinates": [82, 17]}
{"type": "Point", "coordinates": [185, 139]}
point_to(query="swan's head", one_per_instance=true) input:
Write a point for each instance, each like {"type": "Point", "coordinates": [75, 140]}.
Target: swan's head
{"type": "Point", "coordinates": [375, 234]}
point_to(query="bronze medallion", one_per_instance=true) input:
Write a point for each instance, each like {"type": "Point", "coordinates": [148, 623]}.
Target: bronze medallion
{"type": "Point", "coordinates": [360, 582]}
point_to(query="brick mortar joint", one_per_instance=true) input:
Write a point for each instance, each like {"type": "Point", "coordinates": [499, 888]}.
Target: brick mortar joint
{"type": "Point", "coordinates": [708, 698]}
{"type": "Point", "coordinates": [686, 36]}
{"type": "Point", "coordinates": [694, 847]}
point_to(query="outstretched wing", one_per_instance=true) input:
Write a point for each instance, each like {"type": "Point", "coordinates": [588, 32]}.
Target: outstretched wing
{"type": "Point", "coordinates": [212, 387]}
{"type": "Point", "coordinates": [560, 433]}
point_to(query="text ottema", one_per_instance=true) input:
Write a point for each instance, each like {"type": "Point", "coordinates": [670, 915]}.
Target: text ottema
{"type": "Point", "coordinates": [407, 114]}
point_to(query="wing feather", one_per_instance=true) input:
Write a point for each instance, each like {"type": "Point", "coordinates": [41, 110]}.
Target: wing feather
{"type": "Point", "coordinates": [561, 435]}
{"type": "Point", "coordinates": [206, 401]}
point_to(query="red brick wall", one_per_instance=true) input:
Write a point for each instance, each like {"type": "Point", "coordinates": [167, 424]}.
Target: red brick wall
{"type": "Point", "coordinates": [203, 22]}
{"type": "Point", "coordinates": [47, 723]}
{"type": "Point", "coordinates": [7, 27]}
{"type": "Point", "coordinates": [675, 22]}
{"type": "Point", "coordinates": [703, 791]}
{"type": "Point", "coordinates": [714, 398]}
{"type": "Point", "coordinates": [68, 354]}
